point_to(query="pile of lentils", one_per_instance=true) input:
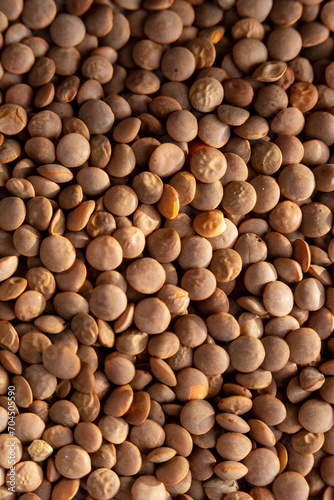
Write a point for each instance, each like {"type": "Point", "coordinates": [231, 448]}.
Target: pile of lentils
{"type": "Point", "coordinates": [166, 249]}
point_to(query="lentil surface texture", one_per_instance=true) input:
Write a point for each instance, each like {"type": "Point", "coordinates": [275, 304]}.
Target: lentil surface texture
{"type": "Point", "coordinates": [166, 249]}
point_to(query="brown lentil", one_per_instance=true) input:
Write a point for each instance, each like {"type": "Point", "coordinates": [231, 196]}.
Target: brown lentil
{"type": "Point", "coordinates": [166, 295]}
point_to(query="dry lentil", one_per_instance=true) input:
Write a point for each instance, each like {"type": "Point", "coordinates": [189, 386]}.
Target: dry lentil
{"type": "Point", "coordinates": [165, 222]}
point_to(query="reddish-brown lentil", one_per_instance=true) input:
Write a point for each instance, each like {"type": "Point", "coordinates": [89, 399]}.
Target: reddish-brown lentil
{"type": "Point", "coordinates": [166, 258]}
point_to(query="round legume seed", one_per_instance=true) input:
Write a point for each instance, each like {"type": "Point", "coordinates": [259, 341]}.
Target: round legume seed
{"type": "Point", "coordinates": [176, 106]}
{"type": "Point", "coordinates": [103, 483]}
{"type": "Point", "coordinates": [73, 150]}
{"type": "Point", "coordinates": [107, 302]}
{"type": "Point", "coordinates": [57, 253]}
{"type": "Point", "coordinates": [13, 119]}
{"type": "Point", "coordinates": [290, 482]}
{"type": "Point", "coordinates": [73, 462]}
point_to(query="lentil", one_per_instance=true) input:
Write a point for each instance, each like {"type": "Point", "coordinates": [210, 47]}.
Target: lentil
{"type": "Point", "coordinates": [165, 222]}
